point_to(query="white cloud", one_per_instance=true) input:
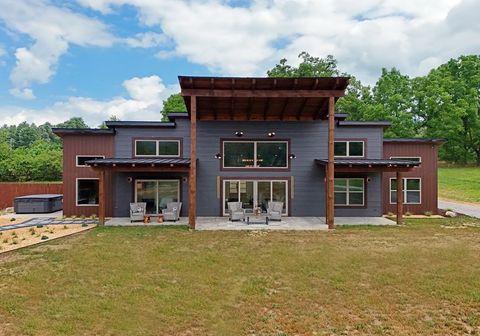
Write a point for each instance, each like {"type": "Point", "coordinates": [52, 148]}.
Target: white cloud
{"type": "Point", "coordinates": [146, 40]}
{"type": "Point", "coordinates": [26, 93]}
{"type": "Point", "coordinates": [363, 35]}
{"type": "Point", "coordinates": [143, 102]}
{"type": "Point", "coordinates": [52, 29]}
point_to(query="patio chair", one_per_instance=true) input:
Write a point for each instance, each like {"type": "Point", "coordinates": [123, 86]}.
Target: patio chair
{"type": "Point", "coordinates": [235, 211]}
{"type": "Point", "coordinates": [274, 210]}
{"type": "Point", "coordinates": [137, 211]}
{"type": "Point", "coordinates": [172, 212]}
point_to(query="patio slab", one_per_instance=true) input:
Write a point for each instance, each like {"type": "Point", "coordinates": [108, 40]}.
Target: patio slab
{"type": "Point", "coordinates": [287, 223]}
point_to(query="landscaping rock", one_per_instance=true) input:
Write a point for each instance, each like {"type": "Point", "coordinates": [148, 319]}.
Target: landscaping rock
{"type": "Point", "coordinates": [450, 214]}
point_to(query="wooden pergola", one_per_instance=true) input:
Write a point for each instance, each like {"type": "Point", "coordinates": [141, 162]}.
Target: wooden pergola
{"type": "Point", "coordinates": [262, 99]}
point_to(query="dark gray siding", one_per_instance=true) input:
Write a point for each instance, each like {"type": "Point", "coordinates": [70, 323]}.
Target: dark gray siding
{"type": "Point", "coordinates": [308, 141]}
{"type": "Point", "coordinates": [124, 190]}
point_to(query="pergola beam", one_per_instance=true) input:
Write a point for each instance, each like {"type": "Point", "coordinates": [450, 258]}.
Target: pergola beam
{"type": "Point", "coordinates": [237, 93]}
{"type": "Point", "coordinates": [192, 186]}
{"type": "Point", "coordinates": [399, 198]}
{"type": "Point", "coordinates": [330, 165]}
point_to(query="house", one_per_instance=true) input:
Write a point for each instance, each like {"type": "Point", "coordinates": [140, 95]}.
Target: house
{"type": "Point", "coordinates": [250, 140]}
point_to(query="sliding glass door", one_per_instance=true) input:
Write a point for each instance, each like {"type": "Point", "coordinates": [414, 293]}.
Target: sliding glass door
{"type": "Point", "coordinates": [253, 193]}
{"type": "Point", "coordinates": [157, 193]}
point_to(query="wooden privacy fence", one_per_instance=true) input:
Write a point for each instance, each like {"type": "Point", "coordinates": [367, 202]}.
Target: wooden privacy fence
{"type": "Point", "coordinates": [8, 191]}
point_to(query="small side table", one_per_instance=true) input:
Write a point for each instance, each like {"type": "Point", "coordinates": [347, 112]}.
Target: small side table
{"type": "Point", "coordinates": [146, 219]}
{"type": "Point", "coordinates": [160, 219]}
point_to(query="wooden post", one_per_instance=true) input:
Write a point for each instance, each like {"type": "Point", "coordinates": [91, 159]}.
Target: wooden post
{"type": "Point", "coordinates": [399, 198]}
{"type": "Point", "coordinates": [101, 197]}
{"type": "Point", "coordinates": [192, 189]}
{"type": "Point", "coordinates": [331, 164]}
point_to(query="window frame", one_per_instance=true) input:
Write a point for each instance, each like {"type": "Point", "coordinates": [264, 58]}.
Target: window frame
{"type": "Point", "coordinates": [157, 141]}
{"type": "Point", "coordinates": [364, 191]}
{"type": "Point", "coordinates": [84, 156]}
{"type": "Point", "coordinates": [255, 166]}
{"type": "Point", "coordinates": [404, 190]}
{"type": "Point", "coordinates": [348, 141]}
{"type": "Point", "coordinates": [255, 180]}
{"type": "Point", "coordinates": [76, 191]}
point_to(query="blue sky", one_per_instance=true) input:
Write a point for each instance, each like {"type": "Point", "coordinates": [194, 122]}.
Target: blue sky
{"type": "Point", "coordinates": [97, 58]}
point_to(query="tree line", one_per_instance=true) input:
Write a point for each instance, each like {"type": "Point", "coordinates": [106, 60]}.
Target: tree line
{"type": "Point", "coordinates": [445, 103]}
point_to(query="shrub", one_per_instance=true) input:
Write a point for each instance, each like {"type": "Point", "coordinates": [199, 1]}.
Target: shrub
{"type": "Point", "coordinates": [64, 227]}
{"type": "Point", "coordinates": [13, 219]}
{"type": "Point", "coordinates": [82, 216]}
{"type": "Point", "coordinates": [408, 213]}
{"type": "Point", "coordinates": [427, 213]}
{"type": "Point", "coordinates": [93, 216]}
{"type": "Point", "coordinates": [84, 224]}
{"type": "Point", "coordinates": [390, 214]}
{"type": "Point", "coordinates": [39, 226]}
{"type": "Point", "coordinates": [14, 242]}
{"type": "Point", "coordinates": [14, 233]}
{"type": "Point", "coordinates": [44, 237]}
{"type": "Point", "coordinates": [5, 240]}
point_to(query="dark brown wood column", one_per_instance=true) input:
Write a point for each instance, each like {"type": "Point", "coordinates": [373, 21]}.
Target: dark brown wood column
{"type": "Point", "coordinates": [192, 187]}
{"type": "Point", "coordinates": [331, 163]}
{"type": "Point", "coordinates": [101, 197]}
{"type": "Point", "coordinates": [399, 197]}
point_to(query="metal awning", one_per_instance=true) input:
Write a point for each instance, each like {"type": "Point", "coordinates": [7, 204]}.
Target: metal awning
{"type": "Point", "coordinates": [366, 165]}
{"type": "Point", "coordinates": [141, 164]}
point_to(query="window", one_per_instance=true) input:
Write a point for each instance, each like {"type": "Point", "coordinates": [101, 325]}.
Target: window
{"type": "Point", "coordinates": [157, 147]}
{"type": "Point", "coordinates": [349, 191]}
{"type": "Point", "coordinates": [87, 192]}
{"type": "Point", "coordinates": [255, 154]}
{"type": "Point", "coordinates": [416, 159]}
{"type": "Point", "coordinates": [81, 159]}
{"type": "Point", "coordinates": [349, 148]}
{"type": "Point", "coordinates": [412, 188]}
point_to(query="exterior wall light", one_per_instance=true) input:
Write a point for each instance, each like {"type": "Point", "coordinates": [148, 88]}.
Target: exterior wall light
{"type": "Point", "coordinates": [271, 134]}
{"type": "Point", "coordinates": [292, 156]}
{"type": "Point", "coordinates": [239, 133]}
{"type": "Point", "coordinates": [218, 156]}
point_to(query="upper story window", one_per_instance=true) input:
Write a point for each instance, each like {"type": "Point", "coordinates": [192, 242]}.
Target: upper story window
{"type": "Point", "coordinates": [349, 148]}
{"type": "Point", "coordinates": [255, 154]}
{"type": "Point", "coordinates": [81, 159]}
{"type": "Point", "coordinates": [169, 148]}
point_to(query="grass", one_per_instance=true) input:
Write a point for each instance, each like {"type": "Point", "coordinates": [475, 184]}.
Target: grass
{"type": "Point", "coordinates": [459, 184]}
{"type": "Point", "coordinates": [421, 278]}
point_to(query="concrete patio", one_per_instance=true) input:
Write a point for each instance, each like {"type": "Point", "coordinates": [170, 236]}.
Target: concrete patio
{"type": "Point", "coordinates": [287, 223]}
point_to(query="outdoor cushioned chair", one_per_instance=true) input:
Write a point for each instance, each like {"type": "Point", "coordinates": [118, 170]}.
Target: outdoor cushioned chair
{"type": "Point", "coordinates": [172, 212]}
{"type": "Point", "coordinates": [137, 211]}
{"type": "Point", "coordinates": [235, 211]}
{"type": "Point", "coordinates": [274, 210]}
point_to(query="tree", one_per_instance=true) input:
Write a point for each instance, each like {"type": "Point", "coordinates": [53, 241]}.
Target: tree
{"type": "Point", "coordinates": [75, 122]}
{"type": "Point", "coordinates": [309, 67]}
{"type": "Point", "coordinates": [448, 104]}
{"type": "Point", "coordinates": [174, 103]}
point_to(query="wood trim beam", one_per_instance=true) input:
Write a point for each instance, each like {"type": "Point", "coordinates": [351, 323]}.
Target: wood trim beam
{"type": "Point", "coordinates": [192, 189]}
{"type": "Point", "coordinates": [330, 165]}
{"type": "Point", "coordinates": [399, 198]}
{"type": "Point", "coordinates": [101, 197]}
{"type": "Point", "coordinates": [263, 93]}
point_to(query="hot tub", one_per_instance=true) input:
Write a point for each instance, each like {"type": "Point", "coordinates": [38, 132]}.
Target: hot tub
{"type": "Point", "coordinates": [45, 203]}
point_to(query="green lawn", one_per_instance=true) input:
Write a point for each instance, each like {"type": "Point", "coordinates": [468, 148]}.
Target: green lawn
{"type": "Point", "coordinates": [422, 278]}
{"type": "Point", "coordinates": [459, 184]}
